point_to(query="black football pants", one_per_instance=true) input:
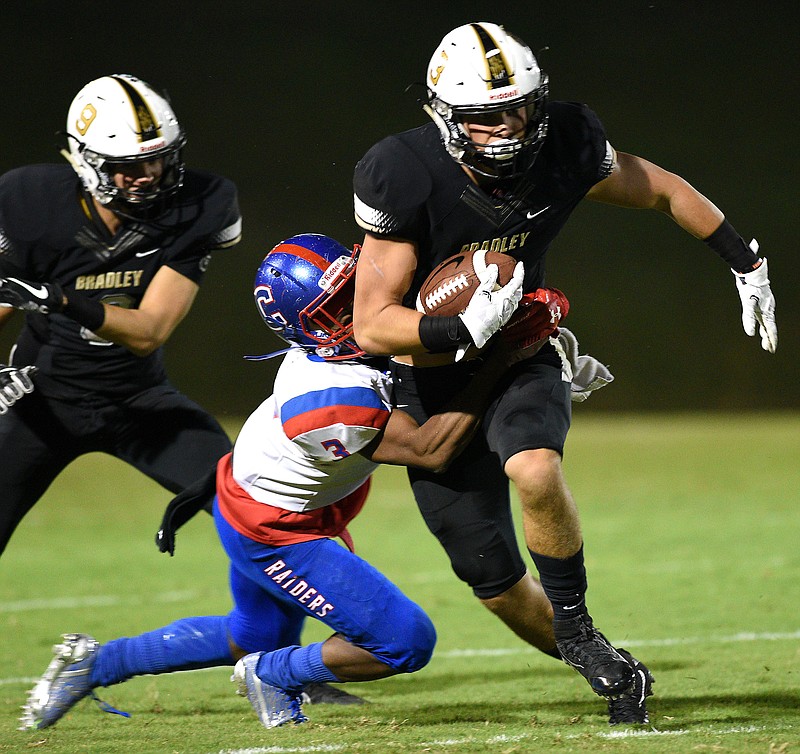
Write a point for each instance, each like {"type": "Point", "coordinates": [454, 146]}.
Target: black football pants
{"type": "Point", "coordinates": [159, 431]}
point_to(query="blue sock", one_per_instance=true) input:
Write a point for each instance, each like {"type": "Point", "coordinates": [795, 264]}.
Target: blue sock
{"type": "Point", "coordinates": [186, 644]}
{"type": "Point", "coordinates": [291, 668]}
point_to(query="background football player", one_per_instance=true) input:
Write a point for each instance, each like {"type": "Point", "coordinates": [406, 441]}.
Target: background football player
{"type": "Point", "coordinates": [105, 256]}
{"type": "Point", "coordinates": [501, 167]}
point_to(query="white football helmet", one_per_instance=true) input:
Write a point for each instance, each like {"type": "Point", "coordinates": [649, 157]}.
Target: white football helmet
{"type": "Point", "coordinates": [478, 69]}
{"type": "Point", "coordinates": [121, 120]}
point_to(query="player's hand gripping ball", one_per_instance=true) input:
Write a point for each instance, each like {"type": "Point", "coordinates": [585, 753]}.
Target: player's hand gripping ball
{"type": "Point", "coordinates": [450, 286]}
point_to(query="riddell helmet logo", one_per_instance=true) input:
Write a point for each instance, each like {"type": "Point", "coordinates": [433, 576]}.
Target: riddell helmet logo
{"type": "Point", "coordinates": [160, 144]}
{"type": "Point", "coordinates": [333, 272]}
{"type": "Point", "coordinates": [505, 95]}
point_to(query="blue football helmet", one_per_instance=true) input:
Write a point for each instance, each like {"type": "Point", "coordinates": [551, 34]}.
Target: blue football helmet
{"type": "Point", "coordinates": [304, 291]}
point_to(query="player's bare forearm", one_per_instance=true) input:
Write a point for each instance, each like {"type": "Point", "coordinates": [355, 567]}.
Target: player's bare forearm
{"type": "Point", "coordinates": [431, 446]}
{"type": "Point", "coordinates": [436, 443]}
{"type": "Point", "coordinates": [387, 331]}
{"type": "Point", "coordinates": [166, 302]}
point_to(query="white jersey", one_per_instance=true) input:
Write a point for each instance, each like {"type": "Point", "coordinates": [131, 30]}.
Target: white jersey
{"type": "Point", "coordinates": [299, 450]}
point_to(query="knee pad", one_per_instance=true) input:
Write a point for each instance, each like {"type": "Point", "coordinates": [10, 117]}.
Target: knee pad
{"type": "Point", "coordinates": [485, 560]}
{"type": "Point", "coordinates": [413, 648]}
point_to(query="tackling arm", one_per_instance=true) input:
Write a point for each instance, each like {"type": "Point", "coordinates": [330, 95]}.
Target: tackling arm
{"type": "Point", "coordinates": [434, 444]}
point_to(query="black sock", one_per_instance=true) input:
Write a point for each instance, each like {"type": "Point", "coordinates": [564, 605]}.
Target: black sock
{"type": "Point", "coordinates": [564, 583]}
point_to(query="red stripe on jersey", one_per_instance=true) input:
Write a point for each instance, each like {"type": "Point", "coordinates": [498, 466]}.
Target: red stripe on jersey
{"type": "Point", "coordinates": [319, 418]}
{"type": "Point", "coordinates": [277, 527]}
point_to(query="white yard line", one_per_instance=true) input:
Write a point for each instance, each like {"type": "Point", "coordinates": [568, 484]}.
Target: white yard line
{"type": "Point", "coordinates": [733, 638]}
{"type": "Point", "coordinates": [94, 600]}
{"type": "Point", "coordinates": [495, 740]}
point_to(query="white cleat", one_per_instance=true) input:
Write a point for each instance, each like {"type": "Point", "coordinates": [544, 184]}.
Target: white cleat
{"type": "Point", "coordinates": [273, 705]}
{"type": "Point", "coordinates": [64, 683]}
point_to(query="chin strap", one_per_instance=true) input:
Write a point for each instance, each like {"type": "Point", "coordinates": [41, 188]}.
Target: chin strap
{"type": "Point", "coordinates": [67, 155]}
{"type": "Point", "coordinates": [447, 134]}
{"type": "Point", "coordinates": [266, 356]}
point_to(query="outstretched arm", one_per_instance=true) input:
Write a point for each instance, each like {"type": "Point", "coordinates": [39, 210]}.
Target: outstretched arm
{"type": "Point", "coordinates": [637, 183]}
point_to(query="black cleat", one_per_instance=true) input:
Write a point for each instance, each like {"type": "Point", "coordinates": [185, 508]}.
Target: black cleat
{"type": "Point", "coordinates": [584, 648]}
{"type": "Point", "coordinates": [324, 693]}
{"type": "Point", "coordinates": [630, 708]}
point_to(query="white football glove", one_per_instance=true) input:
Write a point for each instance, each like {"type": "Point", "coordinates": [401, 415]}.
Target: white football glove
{"type": "Point", "coordinates": [14, 384]}
{"type": "Point", "coordinates": [585, 372]}
{"type": "Point", "coordinates": [758, 303]}
{"type": "Point", "coordinates": [489, 309]}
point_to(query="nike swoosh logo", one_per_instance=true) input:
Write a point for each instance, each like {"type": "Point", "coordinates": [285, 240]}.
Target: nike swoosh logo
{"type": "Point", "coordinates": [146, 253]}
{"type": "Point", "coordinates": [40, 292]}
{"type": "Point", "coordinates": [531, 215]}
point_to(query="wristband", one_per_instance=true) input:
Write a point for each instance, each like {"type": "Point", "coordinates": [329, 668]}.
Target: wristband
{"type": "Point", "coordinates": [441, 334]}
{"type": "Point", "coordinates": [85, 311]}
{"type": "Point", "coordinates": [732, 248]}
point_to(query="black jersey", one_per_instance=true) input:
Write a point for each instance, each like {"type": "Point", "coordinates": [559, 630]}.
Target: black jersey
{"type": "Point", "coordinates": [49, 234]}
{"type": "Point", "coordinates": [407, 186]}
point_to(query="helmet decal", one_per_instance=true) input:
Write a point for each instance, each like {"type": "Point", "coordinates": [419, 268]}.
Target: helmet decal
{"type": "Point", "coordinates": [147, 126]}
{"type": "Point", "coordinates": [84, 120]}
{"type": "Point", "coordinates": [309, 255]}
{"type": "Point", "coordinates": [435, 73]}
{"type": "Point", "coordinates": [498, 71]}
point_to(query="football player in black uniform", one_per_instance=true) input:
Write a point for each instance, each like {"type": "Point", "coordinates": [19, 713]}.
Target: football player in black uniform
{"type": "Point", "coordinates": [106, 264]}
{"type": "Point", "coordinates": [502, 168]}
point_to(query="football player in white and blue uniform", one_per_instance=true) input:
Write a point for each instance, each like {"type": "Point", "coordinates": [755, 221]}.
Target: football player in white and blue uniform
{"type": "Point", "coordinates": [298, 474]}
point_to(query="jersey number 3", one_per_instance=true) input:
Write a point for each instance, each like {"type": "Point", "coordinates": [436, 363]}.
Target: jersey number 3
{"type": "Point", "coordinates": [335, 447]}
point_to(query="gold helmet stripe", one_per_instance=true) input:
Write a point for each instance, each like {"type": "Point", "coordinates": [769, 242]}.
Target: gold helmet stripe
{"type": "Point", "coordinates": [498, 71]}
{"type": "Point", "coordinates": [147, 127]}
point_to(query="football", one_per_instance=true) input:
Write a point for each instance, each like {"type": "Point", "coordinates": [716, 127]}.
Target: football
{"type": "Point", "coordinates": [449, 288]}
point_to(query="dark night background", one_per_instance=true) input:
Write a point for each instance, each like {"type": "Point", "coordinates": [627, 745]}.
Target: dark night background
{"type": "Point", "coordinates": [284, 98]}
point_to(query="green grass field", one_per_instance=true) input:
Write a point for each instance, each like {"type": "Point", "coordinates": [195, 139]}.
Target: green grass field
{"type": "Point", "coordinates": [691, 528]}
